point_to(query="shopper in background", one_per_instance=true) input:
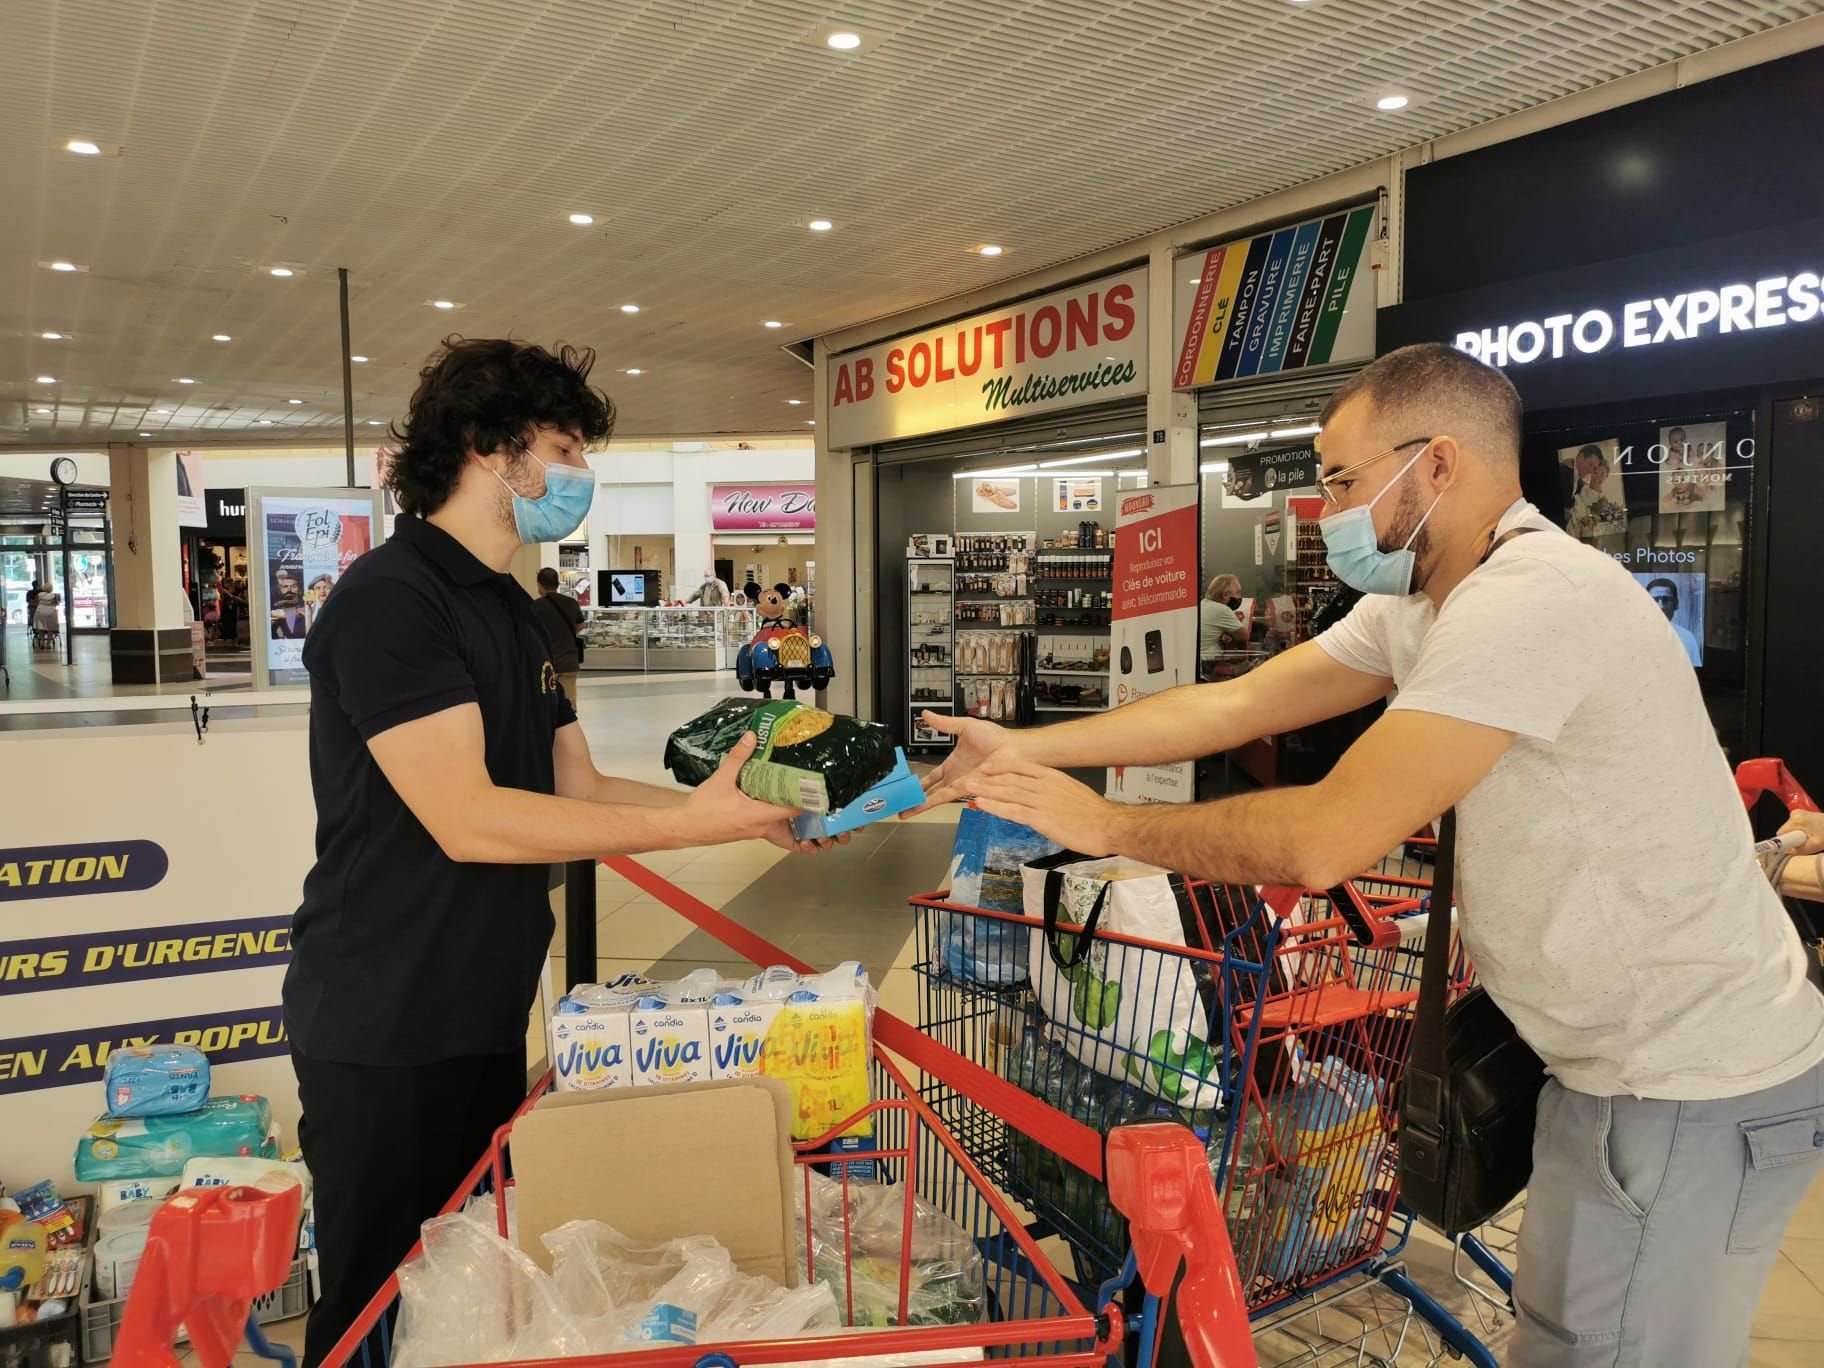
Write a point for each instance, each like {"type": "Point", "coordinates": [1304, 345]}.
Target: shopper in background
{"type": "Point", "coordinates": [1219, 625]}
{"type": "Point", "coordinates": [711, 593]}
{"type": "Point", "coordinates": [561, 620]}
{"type": "Point", "coordinates": [1648, 962]}
{"type": "Point", "coordinates": [449, 773]}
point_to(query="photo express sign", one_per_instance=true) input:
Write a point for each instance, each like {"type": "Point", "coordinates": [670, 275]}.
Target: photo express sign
{"type": "Point", "coordinates": [1063, 350]}
{"type": "Point", "coordinates": [1740, 307]}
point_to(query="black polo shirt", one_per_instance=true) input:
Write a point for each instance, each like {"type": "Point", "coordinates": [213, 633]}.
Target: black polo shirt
{"type": "Point", "coordinates": [400, 955]}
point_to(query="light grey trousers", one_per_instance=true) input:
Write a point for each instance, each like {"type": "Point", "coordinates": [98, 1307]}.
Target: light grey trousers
{"type": "Point", "coordinates": [1651, 1227]}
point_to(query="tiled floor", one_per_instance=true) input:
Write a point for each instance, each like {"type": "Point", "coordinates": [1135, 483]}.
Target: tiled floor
{"type": "Point", "coordinates": [850, 904]}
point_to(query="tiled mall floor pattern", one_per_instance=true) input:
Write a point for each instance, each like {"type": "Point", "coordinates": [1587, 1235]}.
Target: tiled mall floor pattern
{"type": "Point", "coordinates": [851, 904]}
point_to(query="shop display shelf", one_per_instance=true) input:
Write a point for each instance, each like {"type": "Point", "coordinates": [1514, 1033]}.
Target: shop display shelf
{"type": "Point", "coordinates": [998, 674]}
{"type": "Point", "coordinates": [1067, 708]}
{"type": "Point", "coordinates": [1098, 673]}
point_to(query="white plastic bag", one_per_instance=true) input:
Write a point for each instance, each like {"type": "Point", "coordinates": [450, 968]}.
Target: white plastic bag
{"type": "Point", "coordinates": [947, 1284]}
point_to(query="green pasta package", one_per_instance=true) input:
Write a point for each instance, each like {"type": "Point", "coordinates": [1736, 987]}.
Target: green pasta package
{"type": "Point", "coordinates": [807, 758]}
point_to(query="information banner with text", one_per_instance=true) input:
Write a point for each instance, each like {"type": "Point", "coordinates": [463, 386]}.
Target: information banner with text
{"type": "Point", "coordinates": [1154, 640]}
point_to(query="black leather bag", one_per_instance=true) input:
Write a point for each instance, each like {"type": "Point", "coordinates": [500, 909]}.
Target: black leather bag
{"type": "Point", "coordinates": [1472, 1087]}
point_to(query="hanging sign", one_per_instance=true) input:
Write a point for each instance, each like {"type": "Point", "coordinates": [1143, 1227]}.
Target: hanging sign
{"type": "Point", "coordinates": [1297, 298]}
{"type": "Point", "coordinates": [1256, 474]}
{"type": "Point", "coordinates": [763, 508]}
{"type": "Point", "coordinates": [1062, 350]}
{"type": "Point", "coordinates": [1153, 639]}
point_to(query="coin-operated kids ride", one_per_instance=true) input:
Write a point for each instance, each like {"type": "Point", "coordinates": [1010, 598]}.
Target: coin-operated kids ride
{"type": "Point", "coordinates": [782, 653]}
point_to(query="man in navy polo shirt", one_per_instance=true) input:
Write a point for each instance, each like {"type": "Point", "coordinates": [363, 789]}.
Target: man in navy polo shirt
{"type": "Point", "coordinates": [450, 773]}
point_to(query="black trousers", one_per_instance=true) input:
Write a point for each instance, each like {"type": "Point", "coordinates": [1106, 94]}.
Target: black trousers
{"type": "Point", "coordinates": [386, 1148]}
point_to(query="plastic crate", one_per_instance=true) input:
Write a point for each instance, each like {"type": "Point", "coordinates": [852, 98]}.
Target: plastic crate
{"type": "Point", "coordinates": [101, 1319]}
{"type": "Point", "coordinates": [43, 1344]}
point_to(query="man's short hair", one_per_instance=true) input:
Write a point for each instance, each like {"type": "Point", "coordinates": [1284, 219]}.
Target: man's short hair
{"type": "Point", "coordinates": [1431, 389]}
{"type": "Point", "coordinates": [547, 578]}
{"type": "Point", "coordinates": [1594, 452]}
{"type": "Point", "coordinates": [1670, 586]}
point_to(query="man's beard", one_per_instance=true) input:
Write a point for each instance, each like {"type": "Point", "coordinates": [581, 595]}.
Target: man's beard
{"type": "Point", "coordinates": [1406, 516]}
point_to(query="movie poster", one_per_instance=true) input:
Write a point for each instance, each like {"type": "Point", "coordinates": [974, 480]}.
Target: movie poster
{"type": "Point", "coordinates": [308, 544]}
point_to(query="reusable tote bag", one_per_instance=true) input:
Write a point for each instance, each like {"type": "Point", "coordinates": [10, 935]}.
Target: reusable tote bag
{"type": "Point", "coordinates": [1139, 1015]}
{"type": "Point", "coordinates": [985, 869]}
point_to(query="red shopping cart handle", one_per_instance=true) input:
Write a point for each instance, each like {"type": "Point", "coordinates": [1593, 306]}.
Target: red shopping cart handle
{"type": "Point", "coordinates": [209, 1254]}
{"type": "Point", "coordinates": [1756, 777]}
{"type": "Point", "coordinates": [1159, 1178]}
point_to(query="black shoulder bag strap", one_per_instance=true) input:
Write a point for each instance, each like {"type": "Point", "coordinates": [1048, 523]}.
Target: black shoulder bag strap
{"type": "Point", "coordinates": [1422, 1130]}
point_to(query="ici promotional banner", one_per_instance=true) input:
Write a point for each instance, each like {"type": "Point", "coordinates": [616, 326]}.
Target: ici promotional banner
{"type": "Point", "coordinates": [128, 917]}
{"type": "Point", "coordinates": [1154, 640]}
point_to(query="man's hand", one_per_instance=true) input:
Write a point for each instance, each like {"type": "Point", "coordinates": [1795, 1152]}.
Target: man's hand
{"type": "Point", "coordinates": [719, 812]}
{"type": "Point", "coordinates": [1051, 803]}
{"type": "Point", "coordinates": [1811, 826]}
{"type": "Point", "coordinates": [976, 740]}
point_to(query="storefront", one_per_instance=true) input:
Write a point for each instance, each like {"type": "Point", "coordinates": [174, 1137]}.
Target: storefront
{"type": "Point", "coordinates": [215, 569]}
{"type": "Point", "coordinates": [998, 444]}
{"type": "Point", "coordinates": [1665, 328]}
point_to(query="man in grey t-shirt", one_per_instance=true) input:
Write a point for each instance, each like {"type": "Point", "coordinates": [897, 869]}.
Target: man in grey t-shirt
{"type": "Point", "coordinates": [1532, 685]}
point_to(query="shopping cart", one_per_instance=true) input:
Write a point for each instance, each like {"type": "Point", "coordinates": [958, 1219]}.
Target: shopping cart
{"type": "Point", "coordinates": [1308, 999]}
{"type": "Point", "coordinates": [1156, 1176]}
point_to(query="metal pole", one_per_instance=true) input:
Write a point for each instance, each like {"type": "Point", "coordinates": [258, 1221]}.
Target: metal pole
{"type": "Point", "coordinates": [69, 596]}
{"type": "Point", "coordinates": [348, 382]}
{"type": "Point", "coordinates": [579, 924]}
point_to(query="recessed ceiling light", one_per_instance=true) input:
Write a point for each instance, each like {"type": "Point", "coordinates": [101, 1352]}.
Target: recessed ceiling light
{"type": "Point", "coordinates": [1196, 280]}
{"type": "Point", "coordinates": [82, 147]}
{"type": "Point", "coordinates": [794, 401]}
{"type": "Point", "coordinates": [63, 266]}
{"type": "Point", "coordinates": [373, 422]}
{"type": "Point", "coordinates": [294, 401]}
{"type": "Point", "coordinates": [145, 434]}
{"type": "Point", "coordinates": [51, 337]}
{"type": "Point", "coordinates": [185, 380]}
{"type": "Point", "coordinates": [42, 410]}
{"type": "Point", "coordinates": [1389, 103]}
{"type": "Point", "coordinates": [635, 371]}
{"type": "Point", "coordinates": [990, 250]}
{"type": "Point", "coordinates": [844, 42]}
{"type": "Point", "coordinates": [47, 379]}
{"type": "Point", "coordinates": [264, 422]}
{"type": "Point", "coordinates": [223, 337]}
{"type": "Point", "coordinates": [821, 225]}
{"type": "Point", "coordinates": [811, 422]}
{"type": "Point", "coordinates": [282, 272]}
{"type": "Point", "coordinates": [630, 308]}
{"type": "Point", "coordinates": [582, 220]}
{"type": "Point", "coordinates": [443, 303]}
{"type": "Point", "coordinates": [358, 360]}
{"type": "Point", "coordinates": [161, 410]}
{"type": "Point", "coordinates": [772, 323]}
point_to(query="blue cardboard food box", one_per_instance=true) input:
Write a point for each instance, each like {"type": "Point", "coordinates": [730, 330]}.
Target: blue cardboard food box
{"type": "Point", "coordinates": [899, 792]}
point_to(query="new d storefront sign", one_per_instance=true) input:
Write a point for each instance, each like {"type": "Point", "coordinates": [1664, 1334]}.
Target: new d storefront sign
{"type": "Point", "coordinates": [1072, 347]}
{"type": "Point", "coordinates": [763, 508]}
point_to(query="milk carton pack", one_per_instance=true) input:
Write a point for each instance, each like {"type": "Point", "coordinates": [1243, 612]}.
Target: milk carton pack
{"type": "Point", "coordinates": [737, 1036]}
{"type": "Point", "coordinates": [591, 1050]}
{"type": "Point", "coordinates": [670, 1029]}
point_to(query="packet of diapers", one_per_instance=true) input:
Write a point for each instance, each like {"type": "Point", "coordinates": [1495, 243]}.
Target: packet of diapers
{"type": "Point", "coordinates": [160, 1146]}
{"type": "Point", "coordinates": [157, 1080]}
{"type": "Point", "coordinates": [807, 758]}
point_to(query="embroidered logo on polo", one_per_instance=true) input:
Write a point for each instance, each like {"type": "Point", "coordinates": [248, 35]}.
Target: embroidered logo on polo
{"type": "Point", "coordinates": [547, 678]}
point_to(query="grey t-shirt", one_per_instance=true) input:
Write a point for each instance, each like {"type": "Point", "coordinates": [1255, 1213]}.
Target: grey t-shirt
{"type": "Point", "coordinates": [1609, 894]}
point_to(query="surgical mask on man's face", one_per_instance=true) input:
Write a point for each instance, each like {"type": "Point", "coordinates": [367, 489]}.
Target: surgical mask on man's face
{"type": "Point", "coordinates": [560, 510]}
{"type": "Point", "coordinates": [1352, 548]}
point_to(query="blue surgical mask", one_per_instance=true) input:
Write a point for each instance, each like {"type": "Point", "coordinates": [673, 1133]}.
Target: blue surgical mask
{"type": "Point", "coordinates": [1352, 549]}
{"type": "Point", "coordinates": [560, 510]}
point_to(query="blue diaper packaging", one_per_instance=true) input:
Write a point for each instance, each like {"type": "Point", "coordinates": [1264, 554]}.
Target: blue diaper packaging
{"type": "Point", "coordinates": [157, 1080]}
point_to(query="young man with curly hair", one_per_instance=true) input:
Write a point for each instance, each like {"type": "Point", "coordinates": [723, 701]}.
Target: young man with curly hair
{"type": "Point", "coordinates": [450, 773]}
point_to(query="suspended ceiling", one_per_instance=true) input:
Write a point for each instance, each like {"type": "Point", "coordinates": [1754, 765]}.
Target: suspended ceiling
{"type": "Point", "coordinates": [437, 147]}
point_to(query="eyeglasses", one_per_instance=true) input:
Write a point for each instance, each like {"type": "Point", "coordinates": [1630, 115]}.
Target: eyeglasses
{"type": "Point", "coordinates": [1326, 483]}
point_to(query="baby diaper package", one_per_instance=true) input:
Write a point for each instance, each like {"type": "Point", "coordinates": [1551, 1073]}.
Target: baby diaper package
{"type": "Point", "coordinates": [157, 1080]}
{"type": "Point", "coordinates": [811, 1032]}
{"type": "Point", "coordinates": [159, 1146]}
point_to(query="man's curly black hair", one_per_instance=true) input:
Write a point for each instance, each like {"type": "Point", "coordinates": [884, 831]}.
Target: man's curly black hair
{"type": "Point", "coordinates": [481, 394]}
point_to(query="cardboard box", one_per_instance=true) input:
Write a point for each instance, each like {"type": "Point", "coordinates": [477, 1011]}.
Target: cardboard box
{"type": "Point", "coordinates": [899, 792]}
{"type": "Point", "coordinates": [662, 1163]}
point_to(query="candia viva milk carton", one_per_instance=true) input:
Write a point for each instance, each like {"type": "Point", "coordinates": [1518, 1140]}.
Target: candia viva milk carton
{"type": "Point", "coordinates": [670, 1030]}
{"type": "Point", "coordinates": [591, 1050]}
{"type": "Point", "coordinates": [737, 1036]}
